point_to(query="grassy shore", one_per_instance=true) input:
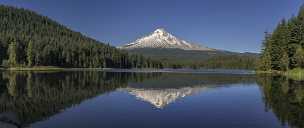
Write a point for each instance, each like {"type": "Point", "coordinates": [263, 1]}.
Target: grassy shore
{"type": "Point", "coordinates": [269, 72]}
{"type": "Point", "coordinates": [295, 74]}
{"type": "Point", "coordinates": [49, 68]}
{"type": "Point", "coordinates": [38, 68]}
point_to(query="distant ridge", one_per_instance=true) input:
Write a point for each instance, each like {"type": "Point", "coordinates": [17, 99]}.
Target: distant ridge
{"type": "Point", "coordinates": [160, 38]}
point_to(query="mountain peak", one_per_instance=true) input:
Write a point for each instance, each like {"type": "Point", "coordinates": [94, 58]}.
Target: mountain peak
{"type": "Point", "coordinates": [160, 38]}
{"type": "Point", "coordinates": [160, 30]}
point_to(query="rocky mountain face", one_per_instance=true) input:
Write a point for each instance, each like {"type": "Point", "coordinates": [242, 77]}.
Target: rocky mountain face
{"type": "Point", "coordinates": [160, 38]}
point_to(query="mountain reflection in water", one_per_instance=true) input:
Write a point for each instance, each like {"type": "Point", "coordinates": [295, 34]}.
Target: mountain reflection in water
{"type": "Point", "coordinates": [162, 97]}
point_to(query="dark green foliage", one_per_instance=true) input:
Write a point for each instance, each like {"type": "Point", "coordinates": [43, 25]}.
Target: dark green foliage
{"type": "Point", "coordinates": [177, 58]}
{"type": "Point", "coordinates": [12, 54]}
{"type": "Point", "coordinates": [53, 44]}
{"type": "Point", "coordinates": [283, 49]}
{"type": "Point", "coordinates": [284, 62]}
{"type": "Point", "coordinates": [30, 54]}
{"type": "Point", "coordinates": [299, 56]}
{"type": "Point", "coordinates": [265, 59]}
{"type": "Point", "coordinates": [2, 51]}
{"type": "Point", "coordinates": [231, 62]}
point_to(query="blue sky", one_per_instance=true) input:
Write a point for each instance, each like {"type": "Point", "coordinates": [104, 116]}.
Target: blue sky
{"type": "Point", "coordinates": [236, 25]}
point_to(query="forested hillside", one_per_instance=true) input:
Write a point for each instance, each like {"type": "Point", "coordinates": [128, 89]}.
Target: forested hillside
{"type": "Point", "coordinates": [29, 39]}
{"type": "Point", "coordinates": [177, 58]}
{"type": "Point", "coordinates": [283, 48]}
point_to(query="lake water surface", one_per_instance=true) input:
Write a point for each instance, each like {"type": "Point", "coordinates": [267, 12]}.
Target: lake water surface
{"type": "Point", "coordinates": [95, 99]}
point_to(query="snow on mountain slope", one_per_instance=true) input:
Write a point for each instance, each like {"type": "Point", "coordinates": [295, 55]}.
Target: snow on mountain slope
{"type": "Point", "coordinates": [160, 38]}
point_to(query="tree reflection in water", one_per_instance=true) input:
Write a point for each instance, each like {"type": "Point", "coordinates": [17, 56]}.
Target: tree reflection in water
{"type": "Point", "coordinates": [285, 98]}
{"type": "Point", "coordinates": [27, 97]}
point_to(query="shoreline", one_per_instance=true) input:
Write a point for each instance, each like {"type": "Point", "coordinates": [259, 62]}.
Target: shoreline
{"type": "Point", "coordinates": [294, 74]}
{"type": "Point", "coordinates": [136, 70]}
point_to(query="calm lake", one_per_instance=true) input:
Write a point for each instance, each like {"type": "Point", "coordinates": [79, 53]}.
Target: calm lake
{"type": "Point", "coordinates": [96, 99]}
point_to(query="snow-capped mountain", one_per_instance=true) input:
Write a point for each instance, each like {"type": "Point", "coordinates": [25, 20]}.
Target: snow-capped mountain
{"type": "Point", "coordinates": [160, 38]}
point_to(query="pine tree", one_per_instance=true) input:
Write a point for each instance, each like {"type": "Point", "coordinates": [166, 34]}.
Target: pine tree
{"type": "Point", "coordinates": [12, 49]}
{"type": "Point", "coordinates": [284, 62]}
{"type": "Point", "coordinates": [279, 40]}
{"type": "Point", "coordinates": [301, 13]}
{"type": "Point", "coordinates": [30, 54]}
{"type": "Point", "coordinates": [300, 57]}
{"type": "Point", "coordinates": [265, 59]}
{"type": "Point", "coordinates": [266, 62]}
{"type": "Point", "coordinates": [292, 41]}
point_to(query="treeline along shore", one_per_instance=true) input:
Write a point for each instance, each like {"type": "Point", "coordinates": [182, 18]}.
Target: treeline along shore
{"type": "Point", "coordinates": [282, 50]}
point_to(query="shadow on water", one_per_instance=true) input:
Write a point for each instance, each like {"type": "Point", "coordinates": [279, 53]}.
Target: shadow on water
{"type": "Point", "coordinates": [29, 97]}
